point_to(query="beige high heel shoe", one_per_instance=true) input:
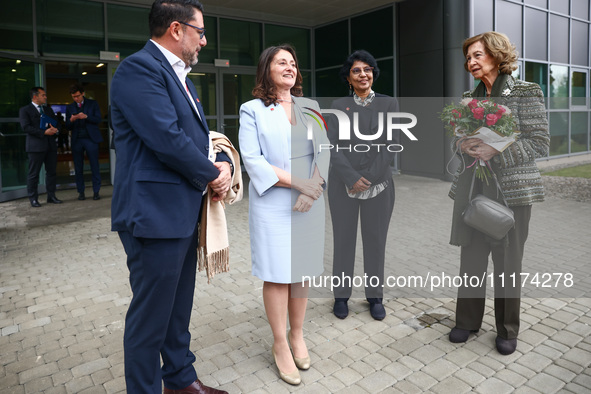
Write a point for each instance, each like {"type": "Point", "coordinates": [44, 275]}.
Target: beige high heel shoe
{"type": "Point", "coordinates": [292, 378]}
{"type": "Point", "coordinates": [301, 363]}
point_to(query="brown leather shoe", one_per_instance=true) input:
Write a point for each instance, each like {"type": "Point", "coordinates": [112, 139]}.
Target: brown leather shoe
{"type": "Point", "coordinates": [195, 388]}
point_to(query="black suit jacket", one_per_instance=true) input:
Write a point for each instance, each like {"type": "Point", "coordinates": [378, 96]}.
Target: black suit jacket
{"type": "Point", "coordinates": [91, 123]}
{"type": "Point", "coordinates": [36, 141]}
{"type": "Point", "coordinates": [351, 165]}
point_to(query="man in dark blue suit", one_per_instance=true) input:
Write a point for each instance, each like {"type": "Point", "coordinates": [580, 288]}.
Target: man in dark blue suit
{"type": "Point", "coordinates": [83, 117]}
{"type": "Point", "coordinates": [41, 146]}
{"type": "Point", "coordinates": [164, 166]}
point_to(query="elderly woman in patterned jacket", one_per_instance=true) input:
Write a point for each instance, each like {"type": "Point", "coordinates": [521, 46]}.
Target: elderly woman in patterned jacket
{"type": "Point", "coordinates": [490, 57]}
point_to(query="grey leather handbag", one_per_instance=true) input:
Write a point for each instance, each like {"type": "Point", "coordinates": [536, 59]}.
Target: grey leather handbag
{"type": "Point", "coordinates": [487, 215]}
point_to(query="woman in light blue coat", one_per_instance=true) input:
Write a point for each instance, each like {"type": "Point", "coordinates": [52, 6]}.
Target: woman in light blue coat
{"type": "Point", "coordinates": [280, 145]}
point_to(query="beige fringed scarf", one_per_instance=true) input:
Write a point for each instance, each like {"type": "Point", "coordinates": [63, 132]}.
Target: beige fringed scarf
{"type": "Point", "coordinates": [213, 252]}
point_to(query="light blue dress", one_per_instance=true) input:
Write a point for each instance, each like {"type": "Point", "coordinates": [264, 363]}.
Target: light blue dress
{"type": "Point", "coordinates": [285, 245]}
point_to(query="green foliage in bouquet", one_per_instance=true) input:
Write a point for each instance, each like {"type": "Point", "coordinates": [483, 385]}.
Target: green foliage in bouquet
{"type": "Point", "coordinates": [469, 115]}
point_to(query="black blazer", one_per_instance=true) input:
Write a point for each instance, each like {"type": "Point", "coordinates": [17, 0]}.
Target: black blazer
{"type": "Point", "coordinates": [36, 140]}
{"type": "Point", "coordinates": [91, 124]}
{"type": "Point", "coordinates": [373, 165]}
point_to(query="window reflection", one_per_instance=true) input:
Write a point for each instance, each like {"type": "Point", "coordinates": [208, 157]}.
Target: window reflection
{"type": "Point", "coordinates": [558, 86]}
{"type": "Point", "coordinates": [128, 30]}
{"type": "Point", "coordinates": [70, 27]}
{"type": "Point", "coordinates": [16, 29]}
{"type": "Point", "coordinates": [558, 133]}
{"type": "Point", "coordinates": [579, 88]}
{"type": "Point", "coordinates": [579, 131]}
{"type": "Point", "coordinates": [240, 41]}
{"type": "Point", "coordinates": [205, 85]}
{"type": "Point", "coordinates": [538, 73]}
{"type": "Point", "coordinates": [299, 38]}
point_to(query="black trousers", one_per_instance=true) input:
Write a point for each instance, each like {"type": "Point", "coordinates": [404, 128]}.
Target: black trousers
{"type": "Point", "coordinates": [375, 216]}
{"type": "Point", "coordinates": [162, 278]}
{"type": "Point", "coordinates": [36, 160]}
{"type": "Point", "coordinates": [92, 151]}
{"type": "Point", "coordinates": [506, 261]}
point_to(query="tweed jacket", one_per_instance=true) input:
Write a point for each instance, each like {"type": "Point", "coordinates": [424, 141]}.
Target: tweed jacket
{"type": "Point", "coordinates": [515, 167]}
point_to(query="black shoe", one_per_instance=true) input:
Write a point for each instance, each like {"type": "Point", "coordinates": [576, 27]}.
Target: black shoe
{"type": "Point", "coordinates": [459, 335]}
{"type": "Point", "coordinates": [96, 196]}
{"type": "Point", "coordinates": [341, 309]}
{"type": "Point", "coordinates": [53, 200]}
{"type": "Point", "coordinates": [81, 196]}
{"type": "Point", "coordinates": [506, 346]}
{"type": "Point", "coordinates": [35, 204]}
{"type": "Point", "coordinates": [376, 309]}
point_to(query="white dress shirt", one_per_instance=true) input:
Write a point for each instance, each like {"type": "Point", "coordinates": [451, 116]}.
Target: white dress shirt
{"type": "Point", "coordinates": [181, 70]}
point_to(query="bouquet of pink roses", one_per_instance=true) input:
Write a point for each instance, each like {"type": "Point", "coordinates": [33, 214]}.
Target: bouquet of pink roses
{"type": "Point", "coordinates": [487, 120]}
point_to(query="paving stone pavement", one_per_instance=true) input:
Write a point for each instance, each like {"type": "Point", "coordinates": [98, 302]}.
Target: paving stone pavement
{"type": "Point", "coordinates": [64, 293]}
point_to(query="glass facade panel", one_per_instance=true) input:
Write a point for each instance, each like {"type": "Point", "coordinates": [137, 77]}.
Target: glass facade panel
{"type": "Point", "coordinates": [483, 16]}
{"type": "Point", "coordinates": [558, 38]}
{"type": "Point", "coordinates": [212, 124]}
{"type": "Point", "coordinates": [14, 162]}
{"type": "Point", "coordinates": [538, 3]}
{"type": "Point", "coordinates": [385, 83]}
{"type": "Point", "coordinates": [231, 127]}
{"type": "Point", "coordinates": [127, 28]}
{"type": "Point", "coordinates": [374, 32]}
{"type": "Point", "coordinates": [510, 23]}
{"type": "Point", "coordinates": [237, 90]}
{"type": "Point", "coordinates": [16, 26]}
{"type": "Point", "coordinates": [205, 85]}
{"type": "Point", "coordinates": [536, 34]}
{"type": "Point", "coordinates": [580, 43]}
{"type": "Point", "coordinates": [210, 51]}
{"type": "Point", "coordinates": [559, 6]}
{"type": "Point", "coordinates": [17, 77]}
{"type": "Point", "coordinates": [329, 84]}
{"type": "Point", "coordinates": [70, 27]}
{"type": "Point", "coordinates": [332, 46]}
{"type": "Point", "coordinates": [580, 9]}
{"type": "Point", "coordinates": [306, 83]}
{"type": "Point", "coordinates": [538, 73]}
{"type": "Point", "coordinates": [579, 88]}
{"type": "Point", "coordinates": [579, 140]}
{"type": "Point", "coordinates": [558, 133]}
{"type": "Point", "coordinates": [296, 37]}
{"type": "Point", "coordinates": [558, 86]}
{"type": "Point", "coordinates": [240, 42]}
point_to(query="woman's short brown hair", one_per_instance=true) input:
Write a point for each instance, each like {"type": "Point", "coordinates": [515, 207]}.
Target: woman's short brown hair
{"type": "Point", "coordinates": [265, 88]}
{"type": "Point", "coordinates": [498, 46]}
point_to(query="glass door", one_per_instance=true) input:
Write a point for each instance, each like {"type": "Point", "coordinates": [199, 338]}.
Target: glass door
{"type": "Point", "coordinates": [17, 76]}
{"type": "Point", "coordinates": [237, 89]}
{"type": "Point", "coordinates": [92, 77]}
{"type": "Point", "coordinates": [222, 92]}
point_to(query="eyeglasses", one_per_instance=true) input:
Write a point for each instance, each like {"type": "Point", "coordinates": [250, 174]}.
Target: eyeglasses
{"type": "Point", "coordinates": [366, 70]}
{"type": "Point", "coordinates": [200, 30]}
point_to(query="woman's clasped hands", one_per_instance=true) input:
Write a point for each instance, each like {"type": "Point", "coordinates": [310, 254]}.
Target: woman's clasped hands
{"type": "Point", "coordinates": [310, 190]}
{"type": "Point", "coordinates": [477, 149]}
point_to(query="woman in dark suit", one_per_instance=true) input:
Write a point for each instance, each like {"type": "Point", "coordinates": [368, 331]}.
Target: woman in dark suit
{"type": "Point", "coordinates": [491, 58]}
{"type": "Point", "coordinates": [360, 183]}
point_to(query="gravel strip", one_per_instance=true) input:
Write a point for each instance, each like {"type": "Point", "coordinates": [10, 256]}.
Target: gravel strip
{"type": "Point", "coordinates": [570, 188]}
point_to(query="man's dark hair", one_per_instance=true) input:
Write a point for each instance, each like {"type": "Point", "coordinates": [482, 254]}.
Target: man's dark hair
{"type": "Point", "coordinates": [362, 56]}
{"type": "Point", "coordinates": [164, 12]}
{"type": "Point", "coordinates": [76, 88]}
{"type": "Point", "coordinates": [35, 91]}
